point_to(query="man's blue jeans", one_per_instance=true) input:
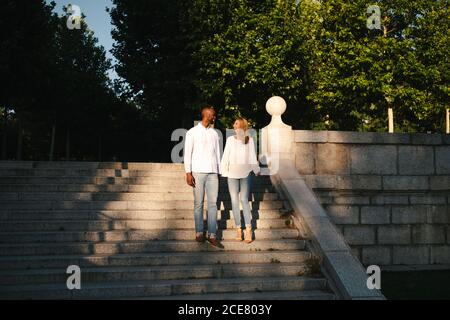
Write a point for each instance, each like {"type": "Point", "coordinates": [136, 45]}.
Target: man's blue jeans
{"type": "Point", "coordinates": [233, 188]}
{"type": "Point", "coordinates": [210, 183]}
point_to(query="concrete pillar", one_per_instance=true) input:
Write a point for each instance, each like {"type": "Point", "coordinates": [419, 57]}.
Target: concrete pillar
{"type": "Point", "coordinates": [277, 138]}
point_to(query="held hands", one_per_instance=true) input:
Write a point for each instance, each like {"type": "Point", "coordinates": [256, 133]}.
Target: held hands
{"type": "Point", "coordinates": [190, 179]}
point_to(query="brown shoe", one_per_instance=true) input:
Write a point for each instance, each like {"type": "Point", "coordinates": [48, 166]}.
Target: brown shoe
{"type": "Point", "coordinates": [214, 242]}
{"type": "Point", "coordinates": [200, 238]}
{"type": "Point", "coordinates": [248, 235]}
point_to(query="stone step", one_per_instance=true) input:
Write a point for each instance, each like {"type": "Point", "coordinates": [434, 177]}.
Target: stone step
{"type": "Point", "coordinates": [109, 225]}
{"type": "Point", "coordinates": [90, 165]}
{"type": "Point", "coordinates": [271, 295]}
{"type": "Point", "coordinates": [120, 196]}
{"type": "Point", "coordinates": [152, 181]}
{"type": "Point", "coordinates": [144, 246]}
{"type": "Point", "coordinates": [163, 288]}
{"type": "Point", "coordinates": [76, 172]}
{"type": "Point", "coordinates": [147, 235]}
{"type": "Point", "coordinates": [125, 205]}
{"type": "Point", "coordinates": [119, 173]}
{"type": "Point", "coordinates": [6, 214]}
{"type": "Point", "coordinates": [153, 259]}
{"type": "Point", "coordinates": [132, 188]}
{"type": "Point", "coordinates": [145, 273]}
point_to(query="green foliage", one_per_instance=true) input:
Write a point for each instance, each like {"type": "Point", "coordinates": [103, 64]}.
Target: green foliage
{"type": "Point", "coordinates": [54, 76]}
{"type": "Point", "coordinates": [405, 65]}
{"type": "Point", "coordinates": [175, 56]}
{"type": "Point", "coordinates": [320, 56]}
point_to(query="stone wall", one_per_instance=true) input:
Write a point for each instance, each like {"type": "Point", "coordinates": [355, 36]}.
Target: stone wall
{"type": "Point", "coordinates": [389, 194]}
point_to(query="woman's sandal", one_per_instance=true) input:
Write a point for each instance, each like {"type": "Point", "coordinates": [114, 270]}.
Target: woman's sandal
{"type": "Point", "coordinates": [238, 234]}
{"type": "Point", "coordinates": [248, 235]}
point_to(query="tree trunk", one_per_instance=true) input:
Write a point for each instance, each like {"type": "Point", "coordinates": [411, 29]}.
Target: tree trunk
{"type": "Point", "coordinates": [391, 120]}
{"type": "Point", "coordinates": [447, 121]}
{"type": "Point", "coordinates": [52, 143]}
{"type": "Point", "coordinates": [5, 132]}
{"type": "Point", "coordinates": [19, 141]}
{"type": "Point", "coordinates": [68, 145]}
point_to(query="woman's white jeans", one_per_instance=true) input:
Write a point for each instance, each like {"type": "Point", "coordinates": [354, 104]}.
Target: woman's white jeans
{"type": "Point", "coordinates": [233, 187]}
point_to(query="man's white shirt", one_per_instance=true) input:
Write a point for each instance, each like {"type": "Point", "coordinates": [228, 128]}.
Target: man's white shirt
{"type": "Point", "coordinates": [202, 150]}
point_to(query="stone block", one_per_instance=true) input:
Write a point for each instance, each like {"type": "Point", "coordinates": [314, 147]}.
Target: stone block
{"type": "Point", "coordinates": [373, 159]}
{"type": "Point", "coordinates": [343, 214]}
{"type": "Point", "coordinates": [442, 159]}
{"type": "Point", "coordinates": [360, 182]}
{"type": "Point", "coordinates": [368, 137]}
{"type": "Point", "coordinates": [394, 235]}
{"type": "Point", "coordinates": [440, 182]}
{"type": "Point", "coordinates": [377, 255]}
{"type": "Point", "coordinates": [332, 159]}
{"type": "Point", "coordinates": [427, 199]}
{"type": "Point", "coordinates": [415, 160]}
{"type": "Point", "coordinates": [375, 215]}
{"type": "Point", "coordinates": [304, 158]}
{"type": "Point", "coordinates": [411, 255]}
{"type": "Point", "coordinates": [320, 182]}
{"type": "Point", "coordinates": [428, 234]}
{"type": "Point", "coordinates": [343, 199]}
{"type": "Point", "coordinates": [448, 234]}
{"type": "Point", "coordinates": [438, 214]}
{"type": "Point", "coordinates": [426, 138]}
{"type": "Point", "coordinates": [405, 183]}
{"type": "Point", "coordinates": [409, 214]}
{"type": "Point", "coordinates": [359, 235]}
{"type": "Point", "coordinates": [310, 136]}
{"type": "Point", "coordinates": [440, 254]}
{"type": "Point", "coordinates": [389, 199]}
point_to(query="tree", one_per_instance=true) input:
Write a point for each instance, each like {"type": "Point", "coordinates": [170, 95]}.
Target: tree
{"type": "Point", "coordinates": [360, 72]}
{"type": "Point", "coordinates": [59, 100]}
{"type": "Point", "coordinates": [248, 51]}
{"type": "Point", "coordinates": [81, 94]}
{"type": "Point", "coordinates": [25, 36]}
{"type": "Point", "coordinates": [152, 53]}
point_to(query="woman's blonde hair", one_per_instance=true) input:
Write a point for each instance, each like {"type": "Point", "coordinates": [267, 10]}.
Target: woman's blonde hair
{"type": "Point", "coordinates": [244, 125]}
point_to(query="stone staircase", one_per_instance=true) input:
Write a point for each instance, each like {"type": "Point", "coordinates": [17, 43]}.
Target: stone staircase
{"type": "Point", "coordinates": [130, 228]}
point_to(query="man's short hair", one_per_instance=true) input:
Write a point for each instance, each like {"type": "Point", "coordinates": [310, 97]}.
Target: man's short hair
{"type": "Point", "coordinates": [205, 108]}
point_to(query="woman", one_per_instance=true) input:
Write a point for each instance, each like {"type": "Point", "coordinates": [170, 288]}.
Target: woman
{"type": "Point", "coordinates": [238, 160]}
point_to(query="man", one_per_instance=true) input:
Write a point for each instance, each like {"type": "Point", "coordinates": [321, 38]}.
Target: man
{"type": "Point", "coordinates": [202, 166]}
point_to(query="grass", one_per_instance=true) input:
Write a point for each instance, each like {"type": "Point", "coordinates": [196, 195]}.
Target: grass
{"type": "Point", "coordinates": [416, 285]}
{"type": "Point", "coordinates": [312, 266]}
{"type": "Point", "coordinates": [274, 260]}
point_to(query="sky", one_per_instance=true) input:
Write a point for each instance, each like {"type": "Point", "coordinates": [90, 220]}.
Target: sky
{"type": "Point", "coordinates": [97, 19]}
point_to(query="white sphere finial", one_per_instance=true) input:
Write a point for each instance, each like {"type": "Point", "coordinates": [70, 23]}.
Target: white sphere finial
{"type": "Point", "coordinates": [276, 106]}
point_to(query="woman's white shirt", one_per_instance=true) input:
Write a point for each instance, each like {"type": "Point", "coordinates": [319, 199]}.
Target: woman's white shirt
{"type": "Point", "coordinates": [239, 159]}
